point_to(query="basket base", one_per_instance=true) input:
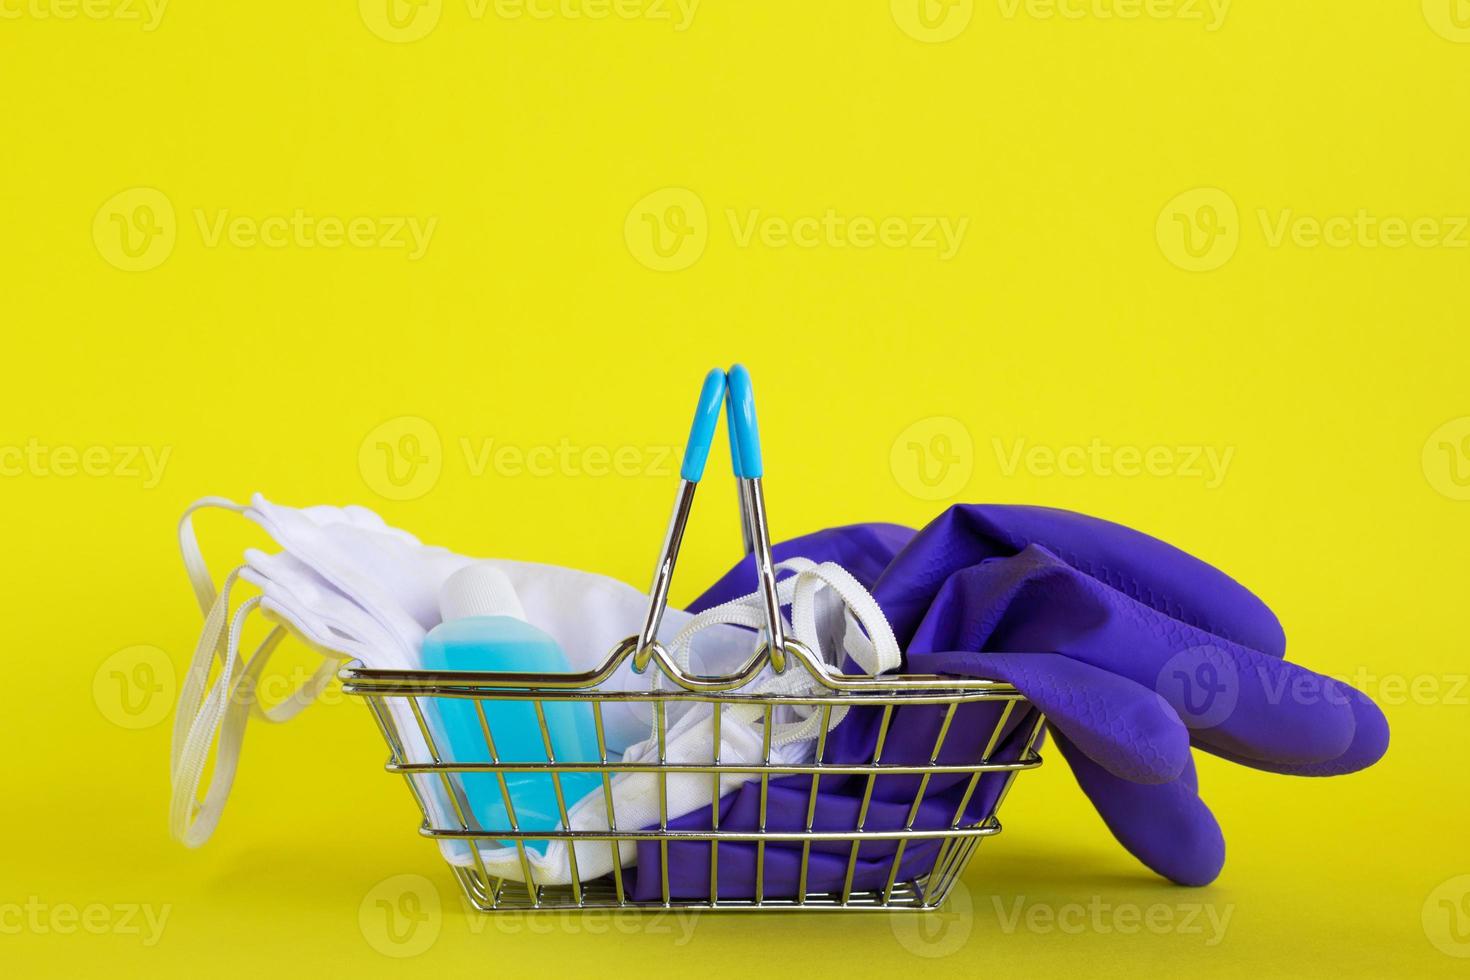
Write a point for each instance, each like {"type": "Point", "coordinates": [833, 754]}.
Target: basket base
{"type": "Point", "coordinates": [925, 893]}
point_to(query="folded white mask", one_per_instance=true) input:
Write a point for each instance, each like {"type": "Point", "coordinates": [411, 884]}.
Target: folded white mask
{"type": "Point", "coordinates": [353, 587]}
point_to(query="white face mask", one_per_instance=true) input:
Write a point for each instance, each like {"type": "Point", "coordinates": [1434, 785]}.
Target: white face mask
{"type": "Point", "coordinates": [353, 587]}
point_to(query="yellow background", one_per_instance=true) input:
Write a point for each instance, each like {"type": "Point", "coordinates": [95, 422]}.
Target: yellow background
{"type": "Point", "coordinates": [1067, 315]}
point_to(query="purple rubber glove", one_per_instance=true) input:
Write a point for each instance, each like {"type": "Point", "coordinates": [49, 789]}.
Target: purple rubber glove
{"type": "Point", "coordinates": [1131, 647]}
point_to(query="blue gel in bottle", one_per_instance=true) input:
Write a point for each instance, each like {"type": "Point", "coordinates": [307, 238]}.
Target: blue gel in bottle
{"type": "Point", "coordinates": [484, 628]}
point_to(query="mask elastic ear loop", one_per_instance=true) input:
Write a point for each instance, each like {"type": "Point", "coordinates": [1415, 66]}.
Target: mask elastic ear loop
{"type": "Point", "coordinates": [203, 584]}
{"type": "Point", "coordinates": [194, 564]}
{"type": "Point", "coordinates": [189, 820]}
{"type": "Point", "coordinates": [227, 706]}
{"type": "Point", "coordinates": [212, 642]}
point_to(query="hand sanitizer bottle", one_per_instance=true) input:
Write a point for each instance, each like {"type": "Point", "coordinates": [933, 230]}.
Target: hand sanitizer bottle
{"type": "Point", "coordinates": [484, 628]}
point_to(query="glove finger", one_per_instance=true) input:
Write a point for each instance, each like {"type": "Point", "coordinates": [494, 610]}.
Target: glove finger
{"type": "Point", "coordinates": [1166, 826]}
{"type": "Point", "coordinates": [1370, 742]}
{"type": "Point", "coordinates": [1254, 707]}
{"type": "Point", "coordinates": [1124, 727]}
{"type": "Point", "coordinates": [1231, 697]}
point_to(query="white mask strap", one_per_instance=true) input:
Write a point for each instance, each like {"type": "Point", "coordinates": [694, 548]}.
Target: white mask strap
{"type": "Point", "coordinates": [232, 700]}
{"type": "Point", "coordinates": [224, 710]}
{"type": "Point", "coordinates": [194, 565]}
{"type": "Point", "coordinates": [876, 652]}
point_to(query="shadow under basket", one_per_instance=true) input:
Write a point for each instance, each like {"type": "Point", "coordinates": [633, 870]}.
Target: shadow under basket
{"type": "Point", "coordinates": [907, 779]}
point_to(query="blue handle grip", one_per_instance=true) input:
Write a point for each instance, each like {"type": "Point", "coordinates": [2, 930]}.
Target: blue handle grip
{"type": "Point", "coordinates": [730, 431]}
{"type": "Point", "coordinates": [745, 439]}
{"type": "Point", "coordinates": [702, 432]}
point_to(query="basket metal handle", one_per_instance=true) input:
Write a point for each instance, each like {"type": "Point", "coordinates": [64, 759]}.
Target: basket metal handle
{"type": "Point", "coordinates": [735, 391]}
{"type": "Point", "coordinates": [746, 460]}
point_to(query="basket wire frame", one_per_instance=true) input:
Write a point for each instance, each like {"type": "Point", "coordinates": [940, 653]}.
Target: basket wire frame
{"type": "Point", "coordinates": [490, 892]}
{"type": "Point", "coordinates": [829, 690]}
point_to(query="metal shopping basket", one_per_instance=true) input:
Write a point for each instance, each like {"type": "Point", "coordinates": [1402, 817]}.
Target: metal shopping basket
{"type": "Point", "coordinates": [904, 862]}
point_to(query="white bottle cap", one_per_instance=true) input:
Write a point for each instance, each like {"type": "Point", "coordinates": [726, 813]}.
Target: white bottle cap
{"type": "Point", "coordinates": [480, 589]}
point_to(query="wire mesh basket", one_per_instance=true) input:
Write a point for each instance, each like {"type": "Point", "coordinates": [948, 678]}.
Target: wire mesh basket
{"type": "Point", "coordinates": [870, 821]}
